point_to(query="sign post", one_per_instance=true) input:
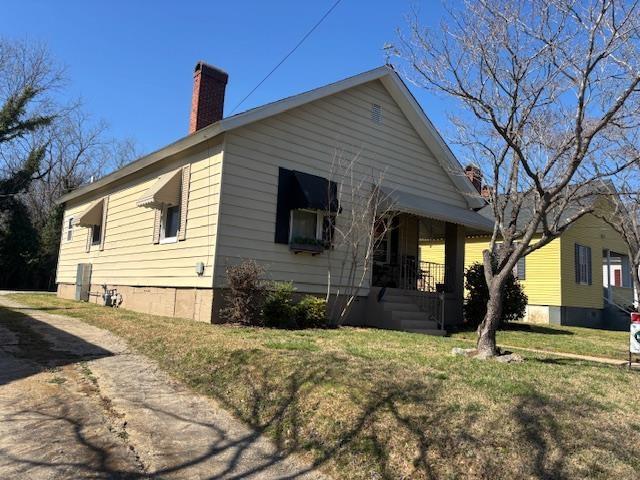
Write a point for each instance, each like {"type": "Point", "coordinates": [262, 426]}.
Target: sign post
{"type": "Point", "coordinates": [634, 336]}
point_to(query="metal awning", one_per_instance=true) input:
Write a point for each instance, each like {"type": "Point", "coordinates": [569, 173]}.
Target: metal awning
{"type": "Point", "coordinates": [426, 207]}
{"type": "Point", "coordinates": [166, 191]}
{"type": "Point", "coordinates": [92, 215]}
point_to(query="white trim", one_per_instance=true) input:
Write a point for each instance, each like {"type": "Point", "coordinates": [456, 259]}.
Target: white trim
{"type": "Point", "coordinates": [319, 220]}
{"type": "Point", "coordinates": [389, 78]}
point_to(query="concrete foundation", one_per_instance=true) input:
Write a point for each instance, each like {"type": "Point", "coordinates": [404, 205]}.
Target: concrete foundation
{"type": "Point", "coordinates": [568, 316]}
{"type": "Point", "coordinates": [192, 303]}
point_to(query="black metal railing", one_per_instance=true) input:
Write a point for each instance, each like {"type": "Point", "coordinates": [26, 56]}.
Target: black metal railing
{"type": "Point", "coordinates": [422, 276]}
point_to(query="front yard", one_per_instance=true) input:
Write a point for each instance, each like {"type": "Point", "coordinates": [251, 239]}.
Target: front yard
{"type": "Point", "coordinates": [366, 403]}
{"type": "Point", "coordinates": [581, 341]}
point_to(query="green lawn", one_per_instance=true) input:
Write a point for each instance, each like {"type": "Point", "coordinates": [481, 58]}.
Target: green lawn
{"type": "Point", "coordinates": [583, 341]}
{"type": "Point", "coordinates": [370, 404]}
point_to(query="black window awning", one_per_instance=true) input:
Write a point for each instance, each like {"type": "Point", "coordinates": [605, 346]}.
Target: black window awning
{"type": "Point", "coordinates": [313, 192]}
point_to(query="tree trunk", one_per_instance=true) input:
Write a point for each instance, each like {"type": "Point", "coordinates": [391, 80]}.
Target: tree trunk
{"type": "Point", "coordinates": [487, 329]}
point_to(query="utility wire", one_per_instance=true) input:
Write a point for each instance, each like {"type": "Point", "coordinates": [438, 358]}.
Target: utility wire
{"type": "Point", "coordinates": [288, 54]}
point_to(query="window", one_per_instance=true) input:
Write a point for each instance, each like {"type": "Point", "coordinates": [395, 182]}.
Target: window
{"type": "Point", "coordinates": [306, 209]}
{"type": "Point", "coordinates": [309, 226]}
{"type": "Point", "coordinates": [304, 225]}
{"type": "Point", "coordinates": [170, 224]}
{"type": "Point", "coordinates": [583, 264]}
{"type": "Point", "coordinates": [70, 229]}
{"type": "Point", "coordinates": [96, 234]}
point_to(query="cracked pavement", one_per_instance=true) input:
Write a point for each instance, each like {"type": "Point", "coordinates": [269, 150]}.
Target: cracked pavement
{"type": "Point", "coordinates": [75, 402]}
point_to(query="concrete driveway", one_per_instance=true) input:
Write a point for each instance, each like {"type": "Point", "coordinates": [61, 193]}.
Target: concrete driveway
{"type": "Point", "coordinates": [75, 402]}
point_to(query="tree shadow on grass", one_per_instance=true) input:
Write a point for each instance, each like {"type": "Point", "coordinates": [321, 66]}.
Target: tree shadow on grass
{"type": "Point", "coordinates": [525, 327]}
{"type": "Point", "coordinates": [26, 346]}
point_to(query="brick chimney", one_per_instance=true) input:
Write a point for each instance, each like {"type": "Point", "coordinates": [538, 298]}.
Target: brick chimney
{"type": "Point", "coordinates": [207, 102]}
{"type": "Point", "coordinates": [474, 174]}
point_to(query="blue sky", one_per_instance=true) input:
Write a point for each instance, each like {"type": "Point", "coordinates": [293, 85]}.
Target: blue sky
{"type": "Point", "coordinates": [131, 62]}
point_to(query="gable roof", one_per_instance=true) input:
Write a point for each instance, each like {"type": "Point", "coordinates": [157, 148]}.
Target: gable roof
{"type": "Point", "coordinates": [386, 74]}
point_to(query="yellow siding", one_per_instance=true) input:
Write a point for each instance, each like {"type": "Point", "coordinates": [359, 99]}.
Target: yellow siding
{"type": "Point", "coordinates": [130, 257]}
{"type": "Point", "coordinates": [542, 283]}
{"type": "Point", "coordinates": [550, 271]}
{"type": "Point", "coordinates": [306, 139]}
{"type": "Point", "coordinates": [594, 233]}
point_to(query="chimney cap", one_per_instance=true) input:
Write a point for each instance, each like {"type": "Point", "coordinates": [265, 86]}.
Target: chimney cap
{"type": "Point", "coordinates": [211, 71]}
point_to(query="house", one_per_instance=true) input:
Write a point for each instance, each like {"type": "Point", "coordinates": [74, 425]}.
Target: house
{"type": "Point", "coordinates": [160, 232]}
{"type": "Point", "coordinates": [582, 278]}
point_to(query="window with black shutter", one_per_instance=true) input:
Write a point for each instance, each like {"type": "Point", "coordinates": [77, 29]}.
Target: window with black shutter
{"type": "Point", "coordinates": [583, 269]}
{"type": "Point", "coordinates": [305, 212]}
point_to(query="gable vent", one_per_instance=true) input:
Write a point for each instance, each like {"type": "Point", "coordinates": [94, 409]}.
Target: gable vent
{"type": "Point", "coordinates": [376, 113]}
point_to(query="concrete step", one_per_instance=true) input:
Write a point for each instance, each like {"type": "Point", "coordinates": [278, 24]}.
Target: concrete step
{"type": "Point", "coordinates": [395, 298]}
{"type": "Point", "coordinates": [399, 315]}
{"type": "Point", "coordinates": [400, 307]}
{"type": "Point", "coordinates": [408, 324]}
{"type": "Point", "coordinates": [426, 331]}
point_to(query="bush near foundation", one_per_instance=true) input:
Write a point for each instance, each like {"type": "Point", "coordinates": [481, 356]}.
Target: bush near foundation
{"type": "Point", "coordinates": [245, 295]}
{"type": "Point", "coordinates": [514, 299]}
{"type": "Point", "coordinates": [281, 311]}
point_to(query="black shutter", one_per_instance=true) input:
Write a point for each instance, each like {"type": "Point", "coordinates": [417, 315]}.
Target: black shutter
{"type": "Point", "coordinates": [589, 276]}
{"type": "Point", "coordinates": [283, 208]}
{"type": "Point", "coordinates": [576, 251]}
{"type": "Point", "coordinates": [521, 268]}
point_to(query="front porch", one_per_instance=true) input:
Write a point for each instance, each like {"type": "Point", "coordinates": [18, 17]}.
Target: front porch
{"type": "Point", "coordinates": [408, 293]}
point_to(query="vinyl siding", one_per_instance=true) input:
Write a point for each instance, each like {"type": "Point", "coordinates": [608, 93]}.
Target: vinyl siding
{"type": "Point", "coordinates": [542, 284]}
{"type": "Point", "coordinates": [306, 139]}
{"type": "Point", "coordinates": [130, 257]}
{"type": "Point", "coordinates": [594, 233]}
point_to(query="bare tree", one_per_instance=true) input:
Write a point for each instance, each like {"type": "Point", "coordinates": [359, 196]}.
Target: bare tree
{"type": "Point", "coordinates": [78, 149]}
{"type": "Point", "coordinates": [362, 219]}
{"type": "Point", "coordinates": [547, 89]}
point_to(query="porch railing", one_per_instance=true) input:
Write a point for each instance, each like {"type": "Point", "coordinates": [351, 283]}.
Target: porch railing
{"type": "Point", "coordinates": [425, 282]}
{"type": "Point", "coordinates": [422, 276]}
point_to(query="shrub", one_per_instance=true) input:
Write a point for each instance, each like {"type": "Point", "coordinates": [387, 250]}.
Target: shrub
{"type": "Point", "coordinates": [311, 312]}
{"type": "Point", "coordinates": [245, 295]}
{"type": "Point", "coordinates": [278, 309]}
{"type": "Point", "coordinates": [514, 299]}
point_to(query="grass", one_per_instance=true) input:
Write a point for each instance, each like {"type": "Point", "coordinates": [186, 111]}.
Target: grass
{"type": "Point", "coordinates": [372, 404]}
{"type": "Point", "coordinates": [582, 341]}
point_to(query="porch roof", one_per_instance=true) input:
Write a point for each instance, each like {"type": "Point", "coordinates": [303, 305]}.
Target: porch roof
{"type": "Point", "coordinates": [426, 207]}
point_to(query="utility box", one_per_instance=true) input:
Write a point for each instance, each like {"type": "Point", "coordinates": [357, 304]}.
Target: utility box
{"type": "Point", "coordinates": [83, 282]}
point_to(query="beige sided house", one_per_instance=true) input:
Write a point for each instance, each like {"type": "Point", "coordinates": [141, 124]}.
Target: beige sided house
{"type": "Point", "coordinates": [162, 229]}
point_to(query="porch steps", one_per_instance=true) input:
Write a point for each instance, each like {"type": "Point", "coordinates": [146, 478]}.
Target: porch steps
{"type": "Point", "coordinates": [405, 314]}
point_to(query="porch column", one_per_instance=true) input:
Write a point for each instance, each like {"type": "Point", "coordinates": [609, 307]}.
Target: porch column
{"type": "Point", "coordinates": [608, 274]}
{"type": "Point", "coordinates": [454, 239]}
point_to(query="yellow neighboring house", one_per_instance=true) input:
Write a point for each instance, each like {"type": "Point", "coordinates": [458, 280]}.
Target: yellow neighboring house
{"type": "Point", "coordinates": [581, 278]}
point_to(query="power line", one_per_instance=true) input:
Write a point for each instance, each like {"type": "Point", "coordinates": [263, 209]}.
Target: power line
{"type": "Point", "coordinates": [288, 54]}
